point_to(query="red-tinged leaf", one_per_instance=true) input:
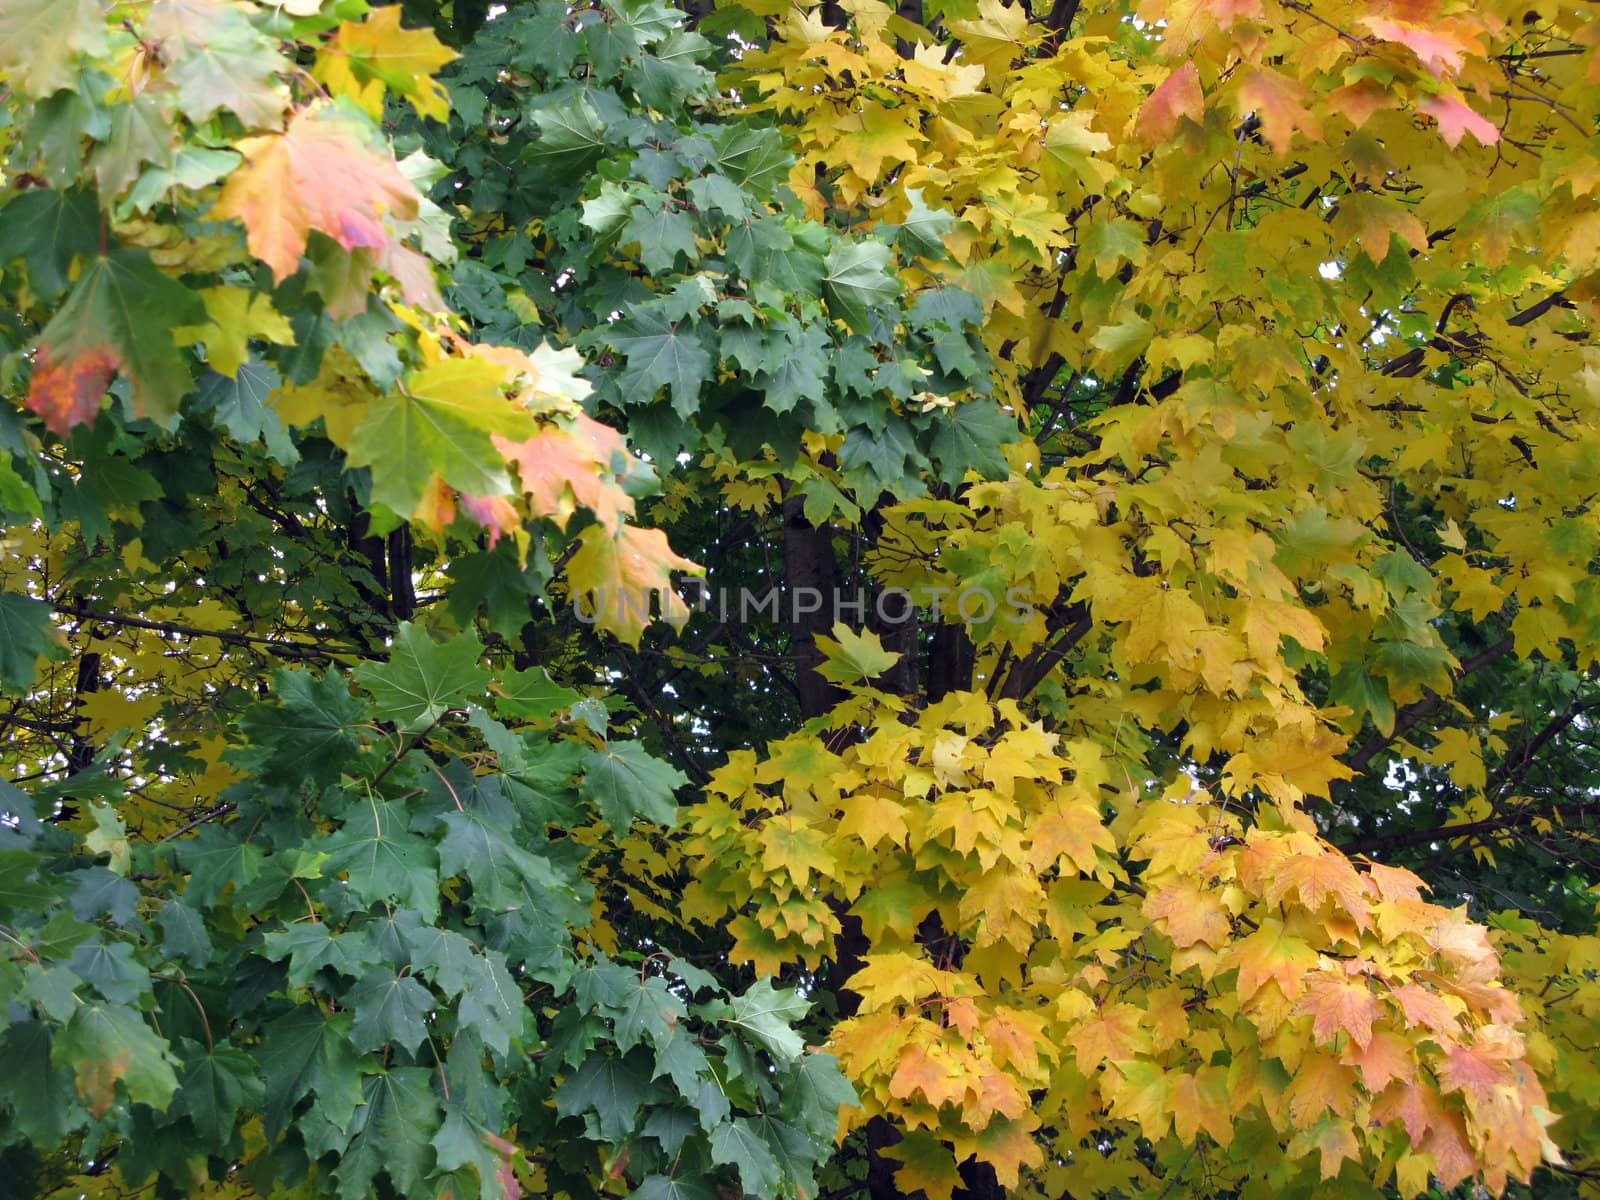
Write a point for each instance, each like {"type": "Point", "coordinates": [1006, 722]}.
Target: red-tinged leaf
{"type": "Point", "coordinates": [1447, 1143]}
{"type": "Point", "coordinates": [118, 318]}
{"type": "Point", "coordinates": [1280, 102]}
{"type": "Point", "coordinates": [1387, 1057]}
{"type": "Point", "coordinates": [1200, 1102]}
{"type": "Point", "coordinates": [1456, 119]}
{"type": "Point", "coordinates": [1468, 1069]}
{"type": "Point", "coordinates": [1321, 1083]}
{"type": "Point", "coordinates": [1415, 1105]}
{"type": "Point", "coordinates": [1460, 940]}
{"type": "Point", "coordinates": [1015, 1039]}
{"type": "Point", "coordinates": [1188, 913]}
{"type": "Point", "coordinates": [494, 513]}
{"type": "Point", "coordinates": [561, 468]}
{"type": "Point", "coordinates": [1070, 831]}
{"type": "Point", "coordinates": [1008, 1146]}
{"type": "Point", "coordinates": [1426, 1010]}
{"type": "Point", "coordinates": [1340, 1006]}
{"type": "Point", "coordinates": [1395, 883]}
{"type": "Point", "coordinates": [1271, 953]}
{"type": "Point", "coordinates": [1115, 1032]}
{"type": "Point", "coordinates": [1359, 100]}
{"type": "Point", "coordinates": [927, 1069]}
{"type": "Point", "coordinates": [67, 392]}
{"type": "Point", "coordinates": [1440, 49]}
{"type": "Point", "coordinates": [1177, 98]}
{"type": "Point", "coordinates": [316, 175]}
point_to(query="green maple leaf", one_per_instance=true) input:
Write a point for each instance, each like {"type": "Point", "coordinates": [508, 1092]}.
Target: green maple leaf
{"type": "Point", "coordinates": [304, 1052]}
{"type": "Point", "coordinates": [858, 276]}
{"type": "Point", "coordinates": [665, 79]}
{"type": "Point", "coordinates": [503, 875]}
{"type": "Point", "coordinates": [492, 1005]}
{"type": "Point", "coordinates": [112, 970]}
{"type": "Point", "coordinates": [674, 1187]}
{"type": "Point", "coordinates": [310, 945]}
{"type": "Point", "coordinates": [755, 159]}
{"type": "Point", "coordinates": [814, 1093]}
{"type": "Point", "coordinates": [25, 636]}
{"type": "Point", "coordinates": [679, 1058]}
{"type": "Point", "coordinates": [384, 861]}
{"type": "Point", "coordinates": [460, 1143]}
{"type": "Point", "coordinates": [184, 934]}
{"type": "Point", "coordinates": [530, 696]}
{"type": "Point", "coordinates": [215, 858]}
{"type": "Point", "coordinates": [48, 229]}
{"type": "Point", "coordinates": [625, 781]}
{"type": "Point", "coordinates": [659, 355]}
{"type": "Point", "coordinates": [764, 1015]}
{"type": "Point", "coordinates": [215, 1085]}
{"type": "Point", "coordinates": [613, 1088]}
{"type": "Point", "coordinates": [1364, 695]}
{"type": "Point", "coordinates": [239, 405]}
{"type": "Point", "coordinates": [737, 1144]}
{"type": "Point", "coordinates": [109, 1044]}
{"type": "Point", "coordinates": [570, 138]}
{"type": "Point", "coordinates": [649, 1013]}
{"type": "Point", "coordinates": [968, 437]}
{"type": "Point", "coordinates": [309, 734]}
{"type": "Point", "coordinates": [921, 231]}
{"type": "Point", "coordinates": [443, 955]}
{"type": "Point", "coordinates": [391, 1134]}
{"type": "Point", "coordinates": [424, 679]}
{"type": "Point", "coordinates": [38, 1093]}
{"type": "Point", "coordinates": [389, 1008]}
{"type": "Point", "coordinates": [442, 422]}
{"type": "Point", "coordinates": [662, 234]}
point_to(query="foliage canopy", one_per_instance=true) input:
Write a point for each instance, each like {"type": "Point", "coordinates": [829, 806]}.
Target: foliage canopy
{"type": "Point", "coordinates": [389, 813]}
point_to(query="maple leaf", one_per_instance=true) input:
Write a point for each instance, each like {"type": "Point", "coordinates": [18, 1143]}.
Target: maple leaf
{"type": "Point", "coordinates": [1271, 953]}
{"type": "Point", "coordinates": [1281, 104]}
{"type": "Point", "coordinates": [377, 50]}
{"type": "Point", "coordinates": [1321, 1083]}
{"type": "Point", "coordinates": [115, 320]}
{"type": "Point", "coordinates": [441, 420]}
{"type": "Point", "coordinates": [1426, 1009]}
{"type": "Point", "coordinates": [561, 467]}
{"type": "Point", "coordinates": [1439, 49]}
{"type": "Point", "coordinates": [217, 59]}
{"type": "Point", "coordinates": [1189, 914]}
{"type": "Point", "coordinates": [615, 577]}
{"type": "Point", "coordinates": [1336, 1005]}
{"type": "Point", "coordinates": [1200, 1102]}
{"type": "Point", "coordinates": [1114, 1033]}
{"type": "Point", "coordinates": [1456, 120]}
{"type": "Point", "coordinates": [39, 39]}
{"type": "Point", "coordinates": [316, 175]}
{"type": "Point", "coordinates": [1175, 99]}
{"type": "Point", "coordinates": [853, 658]}
{"type": "Point", "coordinates": [928, 1068]}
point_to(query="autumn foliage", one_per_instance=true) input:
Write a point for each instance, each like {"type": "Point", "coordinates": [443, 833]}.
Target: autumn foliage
{"type": "Point", "coordinates": [388, 812]}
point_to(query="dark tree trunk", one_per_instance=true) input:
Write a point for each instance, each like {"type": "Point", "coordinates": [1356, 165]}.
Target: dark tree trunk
{"type": "Point", "coordinates": [810, 576]}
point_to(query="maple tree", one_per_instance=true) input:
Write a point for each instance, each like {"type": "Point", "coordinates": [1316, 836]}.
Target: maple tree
{"type": "Point", "coordinates": [389, 813]}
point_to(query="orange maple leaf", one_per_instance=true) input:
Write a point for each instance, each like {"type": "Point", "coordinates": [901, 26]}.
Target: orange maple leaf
{"type": "Point", "coordinates": [1336, 1005]}
{"type": "Point", "coordinates": [1176, 98]}
{"type": "Point", "coordinates": [315, 175]}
